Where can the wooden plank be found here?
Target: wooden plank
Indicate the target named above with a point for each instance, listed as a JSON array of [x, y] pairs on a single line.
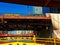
[[26, 17]]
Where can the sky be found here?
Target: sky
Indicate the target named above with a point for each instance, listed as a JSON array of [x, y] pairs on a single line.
[[17, 9]]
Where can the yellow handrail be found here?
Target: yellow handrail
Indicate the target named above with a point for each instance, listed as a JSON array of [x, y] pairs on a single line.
[[36, 39]]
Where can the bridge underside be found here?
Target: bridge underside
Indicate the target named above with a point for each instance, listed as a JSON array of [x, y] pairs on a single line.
[[44, 3]]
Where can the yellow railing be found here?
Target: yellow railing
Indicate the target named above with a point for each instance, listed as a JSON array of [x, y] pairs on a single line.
[[53, 41]]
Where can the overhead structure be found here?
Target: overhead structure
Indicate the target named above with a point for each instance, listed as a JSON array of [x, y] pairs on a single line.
[[24, 22], [44, 3]]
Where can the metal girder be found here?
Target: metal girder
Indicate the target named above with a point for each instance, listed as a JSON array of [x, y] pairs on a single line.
[[54, 4], [56, 0], [43, 3], [47, 2], [26, 2]]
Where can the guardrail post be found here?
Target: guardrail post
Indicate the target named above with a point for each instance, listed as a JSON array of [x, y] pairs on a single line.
[[34, 38], [54, 41]]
